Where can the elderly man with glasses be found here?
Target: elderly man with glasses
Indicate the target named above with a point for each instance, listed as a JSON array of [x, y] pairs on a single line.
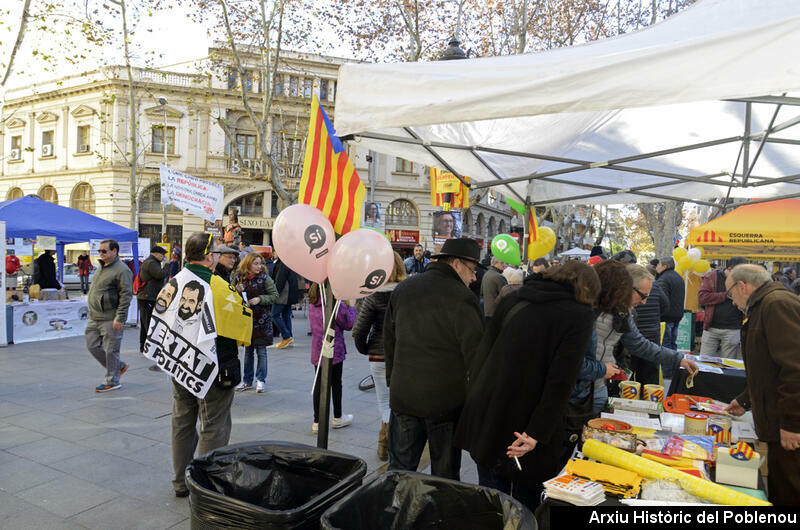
[[109, 297]]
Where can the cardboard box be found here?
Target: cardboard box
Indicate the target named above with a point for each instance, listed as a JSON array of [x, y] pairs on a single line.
[[736, 472], [20, 295]]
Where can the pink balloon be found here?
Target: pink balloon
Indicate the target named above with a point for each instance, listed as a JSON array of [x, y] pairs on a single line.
[[303, 237], [360, 263]]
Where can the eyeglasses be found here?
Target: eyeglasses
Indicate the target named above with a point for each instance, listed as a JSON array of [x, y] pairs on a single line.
[[729, 292], [641, 294], [102, 251], [472, 269]]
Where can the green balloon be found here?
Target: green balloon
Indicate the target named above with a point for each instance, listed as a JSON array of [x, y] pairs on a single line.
[[506, 249]]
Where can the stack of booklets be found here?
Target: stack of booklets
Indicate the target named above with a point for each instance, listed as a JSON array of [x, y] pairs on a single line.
[[616, 481], [574, 490]]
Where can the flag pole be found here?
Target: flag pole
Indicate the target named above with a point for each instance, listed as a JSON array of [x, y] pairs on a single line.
[[525, 230]]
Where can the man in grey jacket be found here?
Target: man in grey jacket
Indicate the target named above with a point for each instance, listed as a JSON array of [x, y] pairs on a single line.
[[109, 298], [491, 284]]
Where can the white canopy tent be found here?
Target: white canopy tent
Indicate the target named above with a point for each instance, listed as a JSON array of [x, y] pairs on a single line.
[[694, 108], [576, 253]]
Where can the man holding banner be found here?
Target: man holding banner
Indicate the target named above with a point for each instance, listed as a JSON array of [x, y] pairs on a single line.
[[193, 337]]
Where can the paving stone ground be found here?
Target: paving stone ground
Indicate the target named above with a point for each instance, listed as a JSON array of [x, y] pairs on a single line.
[[72, 458]]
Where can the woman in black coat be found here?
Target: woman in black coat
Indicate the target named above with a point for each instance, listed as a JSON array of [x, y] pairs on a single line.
[[520, 384]]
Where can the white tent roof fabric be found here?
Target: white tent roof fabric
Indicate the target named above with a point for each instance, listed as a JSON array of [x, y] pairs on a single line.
[[588, 123]]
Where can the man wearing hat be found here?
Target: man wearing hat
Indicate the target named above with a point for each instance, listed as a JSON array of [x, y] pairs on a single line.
[[227, 261], [152, 273], [431, 332]]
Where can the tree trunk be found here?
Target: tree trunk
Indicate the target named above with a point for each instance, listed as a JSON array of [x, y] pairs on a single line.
[[663, 220]]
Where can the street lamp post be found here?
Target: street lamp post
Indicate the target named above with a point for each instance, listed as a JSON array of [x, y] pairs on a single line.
[[163, 103]]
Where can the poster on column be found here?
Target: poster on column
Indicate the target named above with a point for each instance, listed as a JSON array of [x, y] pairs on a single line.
[[182, 333], [49, 320], [191, 194]]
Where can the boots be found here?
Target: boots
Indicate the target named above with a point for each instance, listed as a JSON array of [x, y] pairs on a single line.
[[383, 442]]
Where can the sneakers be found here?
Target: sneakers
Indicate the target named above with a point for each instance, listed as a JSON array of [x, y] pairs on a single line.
[[285, 343], [344, 421], [124, 368], [106, 388], [241, 387], [260, 387], [315, 428]]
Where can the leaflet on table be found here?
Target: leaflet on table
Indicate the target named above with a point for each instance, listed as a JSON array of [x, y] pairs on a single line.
[[635, 421]]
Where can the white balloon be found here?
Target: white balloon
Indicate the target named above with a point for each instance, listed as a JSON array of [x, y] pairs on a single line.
[[694, 254]]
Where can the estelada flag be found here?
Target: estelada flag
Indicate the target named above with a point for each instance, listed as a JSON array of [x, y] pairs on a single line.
[[330, 182], [445, 182]]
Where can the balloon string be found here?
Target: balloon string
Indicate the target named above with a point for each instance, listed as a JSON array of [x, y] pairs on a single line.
[[324, 336]]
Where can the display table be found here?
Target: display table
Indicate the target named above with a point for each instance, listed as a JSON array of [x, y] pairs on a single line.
[[36, 321], [722, 387]]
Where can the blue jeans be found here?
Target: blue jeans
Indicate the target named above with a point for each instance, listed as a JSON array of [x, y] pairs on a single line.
[[282, 317], [670, 335], [407, 437], [261, 368], [530, 497], [84, 284]]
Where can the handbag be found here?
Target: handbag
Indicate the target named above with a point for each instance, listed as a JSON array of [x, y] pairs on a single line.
[[578, 413]]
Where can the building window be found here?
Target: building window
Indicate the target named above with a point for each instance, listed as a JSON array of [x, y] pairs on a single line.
[[293, 86], [479, 225], [402, 212], [16, 148], [307, 85], [246, 144], [150, 201], [490, 232], [502, 227], [467, 216], [404, 166], [83, 139], [278, 89], [158, 139], [252, 204], [48, 193], [323, 90], [83, 198], [153, 232], [15, 193], [232, 79], [47, 143], [334, 90]]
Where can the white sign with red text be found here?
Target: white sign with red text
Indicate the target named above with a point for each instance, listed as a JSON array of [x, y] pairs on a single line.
[[191, 194]]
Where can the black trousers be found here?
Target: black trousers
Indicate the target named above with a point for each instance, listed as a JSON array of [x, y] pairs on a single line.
[[407, 437], [336, 391], [783, 475], [145, 312]]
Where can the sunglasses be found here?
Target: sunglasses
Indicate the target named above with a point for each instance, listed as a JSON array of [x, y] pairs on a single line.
[[641, 294], [101, 251]]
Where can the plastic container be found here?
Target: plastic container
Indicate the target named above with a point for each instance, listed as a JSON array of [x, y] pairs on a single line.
[[400, 500], [268, 485]]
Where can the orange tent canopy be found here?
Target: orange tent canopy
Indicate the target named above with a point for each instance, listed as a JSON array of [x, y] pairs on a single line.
[[766, 230]]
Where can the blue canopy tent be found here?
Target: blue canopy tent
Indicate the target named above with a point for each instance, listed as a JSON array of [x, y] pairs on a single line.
[[30, 217]]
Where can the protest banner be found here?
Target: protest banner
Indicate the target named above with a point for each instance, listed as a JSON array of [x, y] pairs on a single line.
[[191, 194], [182, 333]]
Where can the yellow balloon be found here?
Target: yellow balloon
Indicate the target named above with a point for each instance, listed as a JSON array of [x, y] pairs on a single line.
[[678, 253], [701, 266], [543, 245], [685, 263], [678, 270]]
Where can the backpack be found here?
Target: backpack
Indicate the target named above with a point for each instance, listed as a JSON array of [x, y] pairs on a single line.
[[138, 283]]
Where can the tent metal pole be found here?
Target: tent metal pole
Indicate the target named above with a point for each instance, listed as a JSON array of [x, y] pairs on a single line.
[[441, 160], [749, 168], [776, 180], [744, 150], [778, 128], [774, 100], [491, 170]]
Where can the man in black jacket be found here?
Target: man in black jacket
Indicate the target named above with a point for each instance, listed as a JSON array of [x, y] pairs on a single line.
[[431, 332], [288, 294], [675, 290], [153, 273]]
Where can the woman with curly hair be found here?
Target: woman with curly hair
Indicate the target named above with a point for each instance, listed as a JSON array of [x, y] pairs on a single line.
[[251, 279]]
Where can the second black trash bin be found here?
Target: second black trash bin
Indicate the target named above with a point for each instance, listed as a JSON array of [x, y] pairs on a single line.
[[268, 485], [399, 500]]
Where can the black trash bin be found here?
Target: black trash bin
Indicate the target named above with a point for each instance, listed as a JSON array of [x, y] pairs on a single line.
[[268, 485], [400, 500]]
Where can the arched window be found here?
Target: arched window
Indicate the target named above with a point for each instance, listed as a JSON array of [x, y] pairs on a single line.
[[402, 212], [252, 204], [479, 225], [491, 231], [15, 193], [502, 228], [467, 221], [83, 198], [150, 200], [48, 193]]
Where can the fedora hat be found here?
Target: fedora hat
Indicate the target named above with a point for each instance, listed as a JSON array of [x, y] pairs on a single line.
[[462, 248]]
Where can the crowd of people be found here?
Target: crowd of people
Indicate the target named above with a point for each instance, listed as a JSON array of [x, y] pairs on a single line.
[[508, 372]]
